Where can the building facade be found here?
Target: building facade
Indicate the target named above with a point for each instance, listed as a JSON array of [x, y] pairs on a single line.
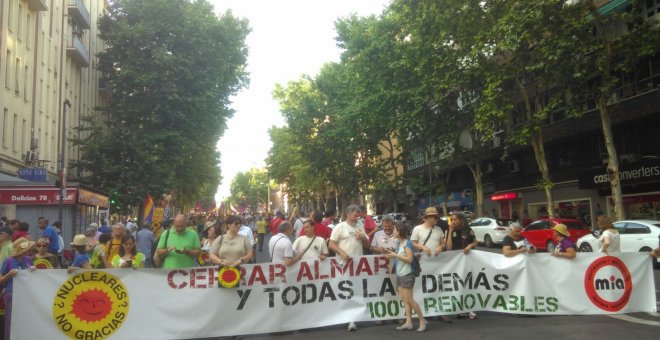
[[48, 58]]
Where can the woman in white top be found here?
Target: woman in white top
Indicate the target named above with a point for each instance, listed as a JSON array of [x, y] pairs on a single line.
[[609, 237]]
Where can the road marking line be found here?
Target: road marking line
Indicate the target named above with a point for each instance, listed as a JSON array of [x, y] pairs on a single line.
[[633, 319]]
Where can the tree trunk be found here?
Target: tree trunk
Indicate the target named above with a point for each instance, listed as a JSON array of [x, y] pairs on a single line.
[[479, 188], [536, 139], [613, 163]]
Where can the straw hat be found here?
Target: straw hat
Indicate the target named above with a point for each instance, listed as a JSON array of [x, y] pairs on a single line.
[[431, 211], [79, 240], [561, 228], [21, 246], [208, 225]]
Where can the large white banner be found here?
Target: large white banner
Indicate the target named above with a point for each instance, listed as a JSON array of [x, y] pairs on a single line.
[[187, 303]]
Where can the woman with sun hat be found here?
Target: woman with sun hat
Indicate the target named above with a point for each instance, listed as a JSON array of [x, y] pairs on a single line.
[[17, 261], [82, 258]]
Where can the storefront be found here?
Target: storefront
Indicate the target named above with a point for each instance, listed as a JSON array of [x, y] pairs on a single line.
[[509, 205], [80, 206], [639, 182], [456, 201]]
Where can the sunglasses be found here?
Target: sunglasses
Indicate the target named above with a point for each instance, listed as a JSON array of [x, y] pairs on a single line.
[[236, 223], [41, 246]]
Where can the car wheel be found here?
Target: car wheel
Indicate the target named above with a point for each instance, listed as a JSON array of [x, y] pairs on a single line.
[[550, 247], [488, 241], [585, 248]]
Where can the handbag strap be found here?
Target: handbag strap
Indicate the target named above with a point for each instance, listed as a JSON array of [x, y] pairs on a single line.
[[428, 237], [275, 244], [310, 244]]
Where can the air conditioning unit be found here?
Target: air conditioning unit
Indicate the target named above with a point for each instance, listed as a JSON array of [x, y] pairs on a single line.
[[628, 158], [30, 156], [514, 166], [34, 143]]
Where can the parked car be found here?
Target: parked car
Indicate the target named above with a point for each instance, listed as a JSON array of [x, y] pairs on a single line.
[[378, 219], [401, 217], [539, 233], [635, 235], [490, 231]]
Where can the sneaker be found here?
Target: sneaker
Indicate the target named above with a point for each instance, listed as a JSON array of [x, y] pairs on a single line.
[[472, 315], [352, 327]]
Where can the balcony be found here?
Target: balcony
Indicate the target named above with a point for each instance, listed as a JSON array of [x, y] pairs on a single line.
[[77, 52], [105, 89], [37, 5], [80, 14]]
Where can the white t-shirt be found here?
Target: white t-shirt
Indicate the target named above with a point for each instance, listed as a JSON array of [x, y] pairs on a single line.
[[614, 241], [280, 248], [297, 226], [421, 232], [344, 235], [383, 240], [247, 232], [317, 247]]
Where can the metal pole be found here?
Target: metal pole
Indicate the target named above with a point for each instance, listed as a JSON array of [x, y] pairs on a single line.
[[62, 174]]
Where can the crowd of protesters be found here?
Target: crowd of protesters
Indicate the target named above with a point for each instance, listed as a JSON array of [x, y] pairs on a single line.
[[234, 240]]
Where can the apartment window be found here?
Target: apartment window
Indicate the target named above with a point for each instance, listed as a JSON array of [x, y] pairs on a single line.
[[652, 8], [14, 135], [417, 158], [8, 69], [10, 16], [19, 30], [5, 123], [23, 134], [28, 25], [17, 69], [26, 83]]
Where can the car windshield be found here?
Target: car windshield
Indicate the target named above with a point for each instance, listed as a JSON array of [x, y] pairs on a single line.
[[657, 225], [575, 226]]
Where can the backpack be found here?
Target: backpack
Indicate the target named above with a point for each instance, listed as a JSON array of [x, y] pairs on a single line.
[[414, 265]]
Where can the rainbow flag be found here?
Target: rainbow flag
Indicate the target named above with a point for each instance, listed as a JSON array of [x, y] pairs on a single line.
[[148, 209]]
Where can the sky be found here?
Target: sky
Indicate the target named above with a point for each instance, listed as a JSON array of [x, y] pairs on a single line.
[[289, 38]]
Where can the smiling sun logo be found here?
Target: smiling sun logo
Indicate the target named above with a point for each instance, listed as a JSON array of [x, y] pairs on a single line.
[[90, 305]]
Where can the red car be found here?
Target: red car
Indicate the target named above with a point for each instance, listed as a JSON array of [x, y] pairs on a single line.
[[539, 233]]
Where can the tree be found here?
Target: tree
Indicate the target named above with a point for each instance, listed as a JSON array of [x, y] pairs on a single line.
[[173, 66], [614, 47], [250, 189]]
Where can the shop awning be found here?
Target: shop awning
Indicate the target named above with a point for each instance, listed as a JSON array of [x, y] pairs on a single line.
[[614, 6]]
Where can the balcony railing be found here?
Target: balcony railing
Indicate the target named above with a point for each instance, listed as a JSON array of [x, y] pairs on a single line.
[[37, 5], [78, 52], [80, 13]]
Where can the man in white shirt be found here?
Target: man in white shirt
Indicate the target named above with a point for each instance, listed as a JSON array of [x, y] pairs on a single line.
[[247, 232], [384, 239], [428, 237], [280, 247], [348, 240], [309, 246]]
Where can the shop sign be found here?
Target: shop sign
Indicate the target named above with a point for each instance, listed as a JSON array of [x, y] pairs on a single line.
[[36, 196], [33, 174], [91, 198], [504, 196], [631, 173]]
